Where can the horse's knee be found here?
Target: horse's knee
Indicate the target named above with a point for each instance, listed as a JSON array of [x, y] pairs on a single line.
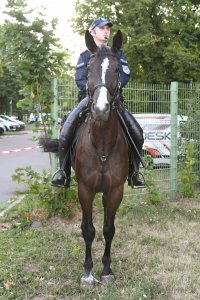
[[88, 232], [108, 232]]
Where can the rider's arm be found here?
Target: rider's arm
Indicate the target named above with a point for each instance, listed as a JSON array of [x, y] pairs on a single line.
[[124, 70], [81, 71]]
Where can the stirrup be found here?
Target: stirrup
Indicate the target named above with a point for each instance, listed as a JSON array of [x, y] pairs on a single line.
[[136, 174], [63, 174]]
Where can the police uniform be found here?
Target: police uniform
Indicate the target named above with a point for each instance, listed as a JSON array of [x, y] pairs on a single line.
[[81, 70]]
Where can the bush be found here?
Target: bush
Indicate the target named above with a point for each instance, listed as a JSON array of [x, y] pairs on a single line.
[[186, 175], [55, 200], [153, 195]]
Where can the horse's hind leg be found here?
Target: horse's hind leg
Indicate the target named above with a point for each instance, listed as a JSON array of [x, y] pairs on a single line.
[[111, 203], [88, 232]]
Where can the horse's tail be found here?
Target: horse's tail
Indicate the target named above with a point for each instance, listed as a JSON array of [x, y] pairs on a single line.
[[49, 145]]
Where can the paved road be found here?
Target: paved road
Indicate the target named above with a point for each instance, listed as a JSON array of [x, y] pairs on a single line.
[[35, 158]]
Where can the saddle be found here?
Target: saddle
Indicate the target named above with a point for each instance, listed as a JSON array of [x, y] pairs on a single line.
[[75, 139]]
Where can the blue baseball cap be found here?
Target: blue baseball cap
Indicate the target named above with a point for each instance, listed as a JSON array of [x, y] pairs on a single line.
[[100, 22]]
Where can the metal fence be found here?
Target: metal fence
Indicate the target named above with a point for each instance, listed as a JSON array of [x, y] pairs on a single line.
[[173, 109]]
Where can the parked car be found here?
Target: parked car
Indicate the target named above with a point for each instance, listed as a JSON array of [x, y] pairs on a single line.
[[2, 128], [10, 126], [5, 117]]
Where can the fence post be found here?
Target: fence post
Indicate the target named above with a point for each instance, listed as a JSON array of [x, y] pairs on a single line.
[[54, 114], [173, 156]]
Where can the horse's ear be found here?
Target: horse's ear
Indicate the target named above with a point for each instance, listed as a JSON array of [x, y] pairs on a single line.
[[89, 41], [117, 41]]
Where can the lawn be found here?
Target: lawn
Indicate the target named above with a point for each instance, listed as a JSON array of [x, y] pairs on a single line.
[[155, 254]]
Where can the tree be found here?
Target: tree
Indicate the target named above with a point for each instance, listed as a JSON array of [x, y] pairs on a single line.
[[9, 84], [161, 37], [32, 53]]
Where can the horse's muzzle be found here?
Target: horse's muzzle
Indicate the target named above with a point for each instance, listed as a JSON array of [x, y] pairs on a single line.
[[100, 114]]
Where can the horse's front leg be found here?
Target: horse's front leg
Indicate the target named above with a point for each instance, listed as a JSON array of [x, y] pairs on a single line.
[[88, 232], [111, 203]]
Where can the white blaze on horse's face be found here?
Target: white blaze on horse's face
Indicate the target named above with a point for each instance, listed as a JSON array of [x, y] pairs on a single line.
[[104, 65], [102, 99]]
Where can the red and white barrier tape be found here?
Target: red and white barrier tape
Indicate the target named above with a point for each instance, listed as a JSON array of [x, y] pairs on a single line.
[[18, 150]]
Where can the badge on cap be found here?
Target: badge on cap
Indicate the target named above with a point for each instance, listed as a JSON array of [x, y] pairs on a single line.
[[126, 69]]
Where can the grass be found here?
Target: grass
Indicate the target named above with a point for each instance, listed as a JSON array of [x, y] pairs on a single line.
[[155, 254]]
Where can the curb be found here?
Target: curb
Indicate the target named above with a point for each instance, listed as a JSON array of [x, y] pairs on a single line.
[[2, 213]]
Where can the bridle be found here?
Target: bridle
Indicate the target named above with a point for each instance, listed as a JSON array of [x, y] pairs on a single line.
[[114, 95], [115, 104]]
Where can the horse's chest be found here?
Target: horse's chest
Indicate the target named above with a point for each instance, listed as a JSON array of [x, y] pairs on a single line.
[[98, 169], [100, 174]]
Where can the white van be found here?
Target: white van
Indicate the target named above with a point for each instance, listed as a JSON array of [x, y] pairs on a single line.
[[157, 135]]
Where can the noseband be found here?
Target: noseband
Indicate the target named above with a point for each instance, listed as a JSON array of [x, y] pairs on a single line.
[[114, 96]]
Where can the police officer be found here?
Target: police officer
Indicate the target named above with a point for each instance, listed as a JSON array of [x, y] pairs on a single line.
[[100, 30]]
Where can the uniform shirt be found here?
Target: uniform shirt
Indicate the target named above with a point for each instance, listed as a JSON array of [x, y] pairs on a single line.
[[81, 70]]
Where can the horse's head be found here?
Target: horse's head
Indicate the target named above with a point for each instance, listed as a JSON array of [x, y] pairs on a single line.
[[103, 76]]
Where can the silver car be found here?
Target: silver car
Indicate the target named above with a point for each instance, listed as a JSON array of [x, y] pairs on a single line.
[[7, 118], [10, 126]]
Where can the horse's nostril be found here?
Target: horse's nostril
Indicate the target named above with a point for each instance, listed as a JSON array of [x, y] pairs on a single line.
[[107, 107]]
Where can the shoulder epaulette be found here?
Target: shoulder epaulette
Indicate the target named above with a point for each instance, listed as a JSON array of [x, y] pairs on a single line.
[[84, 52]]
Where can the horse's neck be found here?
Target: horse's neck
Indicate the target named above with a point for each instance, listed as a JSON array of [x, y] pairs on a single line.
[[104, 136]]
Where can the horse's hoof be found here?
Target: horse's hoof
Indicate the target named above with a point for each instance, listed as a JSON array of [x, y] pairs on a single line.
[[87, 282], [106, 279]]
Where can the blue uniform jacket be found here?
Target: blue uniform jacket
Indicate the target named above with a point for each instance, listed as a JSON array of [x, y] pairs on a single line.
[[81, 70]]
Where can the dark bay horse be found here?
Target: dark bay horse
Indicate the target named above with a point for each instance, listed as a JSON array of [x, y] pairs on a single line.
[[101, 161]]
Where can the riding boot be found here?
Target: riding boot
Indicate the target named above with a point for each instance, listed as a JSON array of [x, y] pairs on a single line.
[[66, 136], [136, 133], [133, 175], [62, 177]]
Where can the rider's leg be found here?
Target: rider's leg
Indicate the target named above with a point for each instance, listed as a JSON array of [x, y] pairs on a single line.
[[63, 176], [66, 136], [136, 134]]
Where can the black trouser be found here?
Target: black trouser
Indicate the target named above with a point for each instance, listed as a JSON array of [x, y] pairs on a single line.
[[67, 133], [136, 133]]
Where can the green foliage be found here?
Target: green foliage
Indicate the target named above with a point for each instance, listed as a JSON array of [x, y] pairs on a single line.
[[186, 173], [56, 201], [161, 37], [31, 54], [153, 196], [9, 85], [189, 143]]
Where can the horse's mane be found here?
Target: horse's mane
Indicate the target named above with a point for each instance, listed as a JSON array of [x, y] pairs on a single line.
[[104, 51]]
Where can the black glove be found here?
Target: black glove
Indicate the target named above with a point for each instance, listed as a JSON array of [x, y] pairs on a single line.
[[81, 95], [122, 98]]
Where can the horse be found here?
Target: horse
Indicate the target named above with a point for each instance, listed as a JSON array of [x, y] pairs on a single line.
[[101, 159]]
